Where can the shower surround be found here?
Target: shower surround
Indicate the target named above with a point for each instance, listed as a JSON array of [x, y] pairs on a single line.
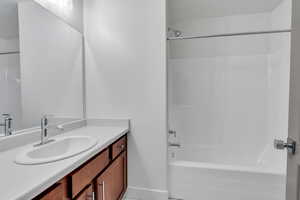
[[228, 101]]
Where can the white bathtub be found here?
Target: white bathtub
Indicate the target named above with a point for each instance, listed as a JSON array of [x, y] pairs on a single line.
[[209, 181]]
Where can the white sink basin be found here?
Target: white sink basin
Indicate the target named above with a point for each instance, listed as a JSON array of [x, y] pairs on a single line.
[[59, 149]]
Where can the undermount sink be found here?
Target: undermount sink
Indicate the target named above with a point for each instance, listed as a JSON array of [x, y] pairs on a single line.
[[58, 149]]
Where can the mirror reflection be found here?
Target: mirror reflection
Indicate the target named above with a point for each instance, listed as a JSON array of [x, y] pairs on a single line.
[[41, 67]]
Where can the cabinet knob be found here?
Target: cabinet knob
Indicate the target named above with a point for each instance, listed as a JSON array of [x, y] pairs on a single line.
[[122, 147]]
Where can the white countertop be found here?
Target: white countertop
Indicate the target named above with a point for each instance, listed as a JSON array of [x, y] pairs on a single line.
[[23, 182]]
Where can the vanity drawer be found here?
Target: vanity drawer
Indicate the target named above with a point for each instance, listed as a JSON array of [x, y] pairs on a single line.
[[84, 176], [118, 147]]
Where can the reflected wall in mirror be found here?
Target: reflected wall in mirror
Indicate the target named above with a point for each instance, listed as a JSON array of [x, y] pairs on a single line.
[[41, 66]]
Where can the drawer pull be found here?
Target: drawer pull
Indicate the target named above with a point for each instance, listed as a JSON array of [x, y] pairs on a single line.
[[103, 189], [85, 175], [90, 196], [122, 147]]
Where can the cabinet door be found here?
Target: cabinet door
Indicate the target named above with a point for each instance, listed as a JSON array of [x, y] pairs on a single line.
[[56, 192], [110, 185], [86, 174], [87, 194]]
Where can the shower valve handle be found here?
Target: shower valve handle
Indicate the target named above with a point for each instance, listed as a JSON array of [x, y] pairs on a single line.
[[290, 145], [173, 132]]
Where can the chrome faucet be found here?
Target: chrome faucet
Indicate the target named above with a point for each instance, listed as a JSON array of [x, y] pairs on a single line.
[[7, 124], [45, 128]]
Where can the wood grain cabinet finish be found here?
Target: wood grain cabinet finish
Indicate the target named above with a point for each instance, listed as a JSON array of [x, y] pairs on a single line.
[[56, 192], [118, 147], [103, 177], [111, 184], [87, 194], [85, 175]]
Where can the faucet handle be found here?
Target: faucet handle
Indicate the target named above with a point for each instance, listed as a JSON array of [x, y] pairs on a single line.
[[172, 132], [6, 115], [45, 119]]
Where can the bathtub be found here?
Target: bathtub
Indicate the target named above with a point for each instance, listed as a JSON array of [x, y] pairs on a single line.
[[214, 181]]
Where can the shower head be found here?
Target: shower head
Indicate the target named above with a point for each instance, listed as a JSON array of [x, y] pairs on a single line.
[[175, 32]]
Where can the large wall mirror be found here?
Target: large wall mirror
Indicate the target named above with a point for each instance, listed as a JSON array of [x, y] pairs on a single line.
[[41, 67]]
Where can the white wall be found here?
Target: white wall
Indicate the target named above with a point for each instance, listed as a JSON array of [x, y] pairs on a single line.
[[270, 15], [224, 24], [10, 101], [281, 16], [228, 94], [9, 26], [126, 78], [279, 70], [9, 42], [219, 97], [9, 45], [71, 11], [51, 65], [213, 8]]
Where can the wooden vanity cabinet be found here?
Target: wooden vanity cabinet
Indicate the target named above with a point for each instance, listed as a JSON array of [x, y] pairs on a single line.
[[104, 177], [87, 194], [85, 175], [111, 184], [118, 147], [56, 192]]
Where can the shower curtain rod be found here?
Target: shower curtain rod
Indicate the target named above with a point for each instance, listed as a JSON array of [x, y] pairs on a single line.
[[230, 34], [7, 53]]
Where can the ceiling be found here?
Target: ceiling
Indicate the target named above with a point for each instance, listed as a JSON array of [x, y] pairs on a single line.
[[185, 9]]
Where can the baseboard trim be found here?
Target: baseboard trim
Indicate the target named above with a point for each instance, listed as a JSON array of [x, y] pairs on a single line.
[[139, 193]]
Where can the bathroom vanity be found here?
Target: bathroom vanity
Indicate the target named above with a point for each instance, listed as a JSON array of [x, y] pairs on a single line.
[[97, 173], [102, 177]]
